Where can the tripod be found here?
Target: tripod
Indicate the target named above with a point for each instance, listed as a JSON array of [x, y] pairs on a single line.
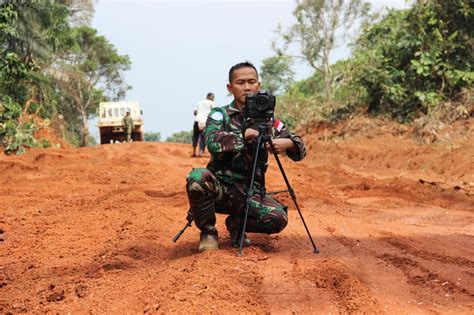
[[259, 164]]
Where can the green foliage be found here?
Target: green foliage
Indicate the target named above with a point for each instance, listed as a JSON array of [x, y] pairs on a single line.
[[29, 31], [310, 87], [293, 108], [320, 27], [44, 143], [91, 141], [181, 137], [412, 60], [89, 70], [304, 100], [14, 75], [73, 137], [54, 67], [407, 64], [15, 135], [9, 110], [152, 136], [276, 73], [29, 35]]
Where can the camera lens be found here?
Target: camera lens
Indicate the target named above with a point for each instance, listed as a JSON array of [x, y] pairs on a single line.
[[261, 102]]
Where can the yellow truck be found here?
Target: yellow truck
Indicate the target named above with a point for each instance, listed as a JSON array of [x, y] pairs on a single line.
[[110, 123]]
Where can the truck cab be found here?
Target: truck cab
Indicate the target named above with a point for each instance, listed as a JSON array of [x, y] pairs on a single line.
[[110, 123]]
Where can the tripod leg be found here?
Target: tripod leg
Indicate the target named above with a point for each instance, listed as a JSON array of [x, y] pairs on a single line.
[[249, 194], [293, 196]]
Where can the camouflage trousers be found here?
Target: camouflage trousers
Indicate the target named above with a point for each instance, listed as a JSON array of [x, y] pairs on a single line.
[[128, 133], [208, 195]]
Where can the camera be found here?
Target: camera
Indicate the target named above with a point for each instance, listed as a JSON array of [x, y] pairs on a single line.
[[259, 105]]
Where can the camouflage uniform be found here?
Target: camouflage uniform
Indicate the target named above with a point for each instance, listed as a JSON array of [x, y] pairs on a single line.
[[221, 186], [128, 124]]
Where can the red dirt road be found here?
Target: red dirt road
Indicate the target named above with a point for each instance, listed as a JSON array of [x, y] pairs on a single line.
[[89, 231]]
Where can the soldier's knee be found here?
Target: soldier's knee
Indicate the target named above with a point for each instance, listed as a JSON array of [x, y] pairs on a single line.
[[196, 183], [275, 221], [197, 175], [279, 223]]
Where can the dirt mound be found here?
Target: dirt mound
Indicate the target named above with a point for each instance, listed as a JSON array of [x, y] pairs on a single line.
[[390, 150], [89, 230], [51, 132]]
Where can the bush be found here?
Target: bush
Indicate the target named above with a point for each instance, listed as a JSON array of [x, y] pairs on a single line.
[[16, 133], [181, 137], [413, 60], [152, 136]]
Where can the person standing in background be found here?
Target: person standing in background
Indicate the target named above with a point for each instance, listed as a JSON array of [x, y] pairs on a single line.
[[128, 125], [196, 135], [202, 110]]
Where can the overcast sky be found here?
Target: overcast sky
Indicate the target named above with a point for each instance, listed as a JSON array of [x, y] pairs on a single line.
[[180, 50]]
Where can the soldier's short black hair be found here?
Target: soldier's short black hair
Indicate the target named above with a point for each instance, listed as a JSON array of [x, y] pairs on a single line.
[[245, 64], [209, 95]]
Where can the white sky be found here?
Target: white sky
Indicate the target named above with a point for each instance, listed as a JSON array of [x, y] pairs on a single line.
[[180, 50]]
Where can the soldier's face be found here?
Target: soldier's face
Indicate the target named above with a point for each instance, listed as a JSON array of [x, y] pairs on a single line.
[[244, 81]]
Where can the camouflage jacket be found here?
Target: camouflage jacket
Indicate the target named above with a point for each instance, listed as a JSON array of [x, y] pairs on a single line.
[[231, 159], [128, 122]]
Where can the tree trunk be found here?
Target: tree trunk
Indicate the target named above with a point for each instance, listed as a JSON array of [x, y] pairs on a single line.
[[327, 77], [85, 129]]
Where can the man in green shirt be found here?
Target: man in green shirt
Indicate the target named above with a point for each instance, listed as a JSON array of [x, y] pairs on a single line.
[[128, 125]]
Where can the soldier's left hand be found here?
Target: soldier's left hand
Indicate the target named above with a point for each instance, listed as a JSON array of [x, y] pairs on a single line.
[[250, 134], [281, 145]]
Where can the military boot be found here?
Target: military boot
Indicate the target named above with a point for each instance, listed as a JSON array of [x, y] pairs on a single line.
[[205, 219], [233, 226], [208, 240]]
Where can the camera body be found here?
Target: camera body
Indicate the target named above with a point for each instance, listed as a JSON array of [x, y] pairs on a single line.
[[260, 106]]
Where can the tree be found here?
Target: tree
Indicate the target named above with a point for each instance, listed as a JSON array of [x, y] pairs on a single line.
[[412, 60], [181, 137], [81, 12], [319, 25], [152, 136], [90, 71], [29, 33], [48, 67], [276, 73]]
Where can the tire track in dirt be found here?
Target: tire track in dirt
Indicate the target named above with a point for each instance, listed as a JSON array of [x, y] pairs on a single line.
[[419, 277], [345, 289], [401, 243], [433, 292], [313, 283]]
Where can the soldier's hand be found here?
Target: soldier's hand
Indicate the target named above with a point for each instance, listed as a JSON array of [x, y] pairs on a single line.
[[281, 145], [250, 134]]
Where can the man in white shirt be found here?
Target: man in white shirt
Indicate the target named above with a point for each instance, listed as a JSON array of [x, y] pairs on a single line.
[[202, 110]]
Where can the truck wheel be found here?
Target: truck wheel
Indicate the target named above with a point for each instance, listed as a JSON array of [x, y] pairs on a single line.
[[104, 139]]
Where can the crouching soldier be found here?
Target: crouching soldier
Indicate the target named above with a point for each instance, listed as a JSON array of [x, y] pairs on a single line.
[[220, 187]]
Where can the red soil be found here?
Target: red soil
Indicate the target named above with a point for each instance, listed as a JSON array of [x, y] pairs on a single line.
[[89, 231]]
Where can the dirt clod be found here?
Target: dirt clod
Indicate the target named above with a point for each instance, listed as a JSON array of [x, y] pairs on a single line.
[[56, 296]]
